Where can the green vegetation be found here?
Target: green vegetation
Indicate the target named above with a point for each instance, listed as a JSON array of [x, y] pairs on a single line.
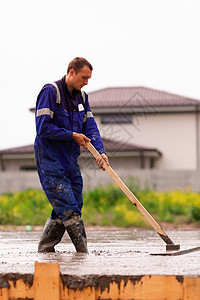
[[109, 206], [106, 206], [21, 208]]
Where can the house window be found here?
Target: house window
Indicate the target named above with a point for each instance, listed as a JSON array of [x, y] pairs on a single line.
[[152, 163], [116, 119], [28, 168]]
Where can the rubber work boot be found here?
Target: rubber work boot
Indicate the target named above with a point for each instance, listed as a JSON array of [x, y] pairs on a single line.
[[78, 237], [52, 234]]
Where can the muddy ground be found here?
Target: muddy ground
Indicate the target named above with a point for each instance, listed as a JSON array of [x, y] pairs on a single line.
[[118, 252]]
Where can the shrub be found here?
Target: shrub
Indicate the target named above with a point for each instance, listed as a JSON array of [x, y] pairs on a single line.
[[105, 206]]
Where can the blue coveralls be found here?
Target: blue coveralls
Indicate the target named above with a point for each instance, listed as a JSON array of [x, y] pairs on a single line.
[[56, 152]]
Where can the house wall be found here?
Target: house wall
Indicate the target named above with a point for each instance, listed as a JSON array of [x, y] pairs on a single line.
[[174, 134], [16, 164], [117, 163], [128, 163]]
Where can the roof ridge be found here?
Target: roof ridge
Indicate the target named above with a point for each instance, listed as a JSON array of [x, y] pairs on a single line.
[[143, 87], [118, 97]]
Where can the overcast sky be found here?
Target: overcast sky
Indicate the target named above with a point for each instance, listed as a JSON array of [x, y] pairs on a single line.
[[152, 43]]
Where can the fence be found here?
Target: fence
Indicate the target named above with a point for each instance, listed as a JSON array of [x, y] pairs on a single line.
[[161, 180]]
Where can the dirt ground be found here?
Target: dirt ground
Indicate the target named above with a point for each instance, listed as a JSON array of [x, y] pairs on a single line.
[[164, 225]]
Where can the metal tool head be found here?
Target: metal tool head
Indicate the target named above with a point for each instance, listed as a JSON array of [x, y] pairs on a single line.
[[172, 247]]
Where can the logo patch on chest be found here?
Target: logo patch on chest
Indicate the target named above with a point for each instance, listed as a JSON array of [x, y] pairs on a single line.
[[80, 107]]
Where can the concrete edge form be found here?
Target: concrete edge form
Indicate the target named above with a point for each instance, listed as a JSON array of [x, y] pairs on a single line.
[[48, 284]]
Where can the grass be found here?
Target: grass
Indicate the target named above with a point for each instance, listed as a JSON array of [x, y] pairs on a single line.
[[105, 206]]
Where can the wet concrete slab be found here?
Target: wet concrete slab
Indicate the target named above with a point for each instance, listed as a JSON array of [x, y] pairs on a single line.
[[111, 252]]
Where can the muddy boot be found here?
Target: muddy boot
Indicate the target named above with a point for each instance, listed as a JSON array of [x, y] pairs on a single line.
[[78, 237], [52, 234]]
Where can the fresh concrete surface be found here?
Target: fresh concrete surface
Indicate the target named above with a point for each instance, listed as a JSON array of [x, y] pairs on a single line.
[[111, 252]]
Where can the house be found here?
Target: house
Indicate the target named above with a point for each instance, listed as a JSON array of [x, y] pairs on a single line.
[[17, 159], [151, 133], [18, 170], [154, 119], [121, 155]]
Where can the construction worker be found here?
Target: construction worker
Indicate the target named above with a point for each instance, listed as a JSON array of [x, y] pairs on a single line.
[[64, 122]]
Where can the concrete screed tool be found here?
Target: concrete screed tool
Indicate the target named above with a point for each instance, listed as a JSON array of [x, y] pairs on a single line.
[[170, 245]]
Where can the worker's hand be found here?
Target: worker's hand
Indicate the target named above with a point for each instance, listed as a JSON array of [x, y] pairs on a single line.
[[81, 139], [100, 161]]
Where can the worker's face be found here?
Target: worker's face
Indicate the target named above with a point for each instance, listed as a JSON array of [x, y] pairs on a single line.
[[79, 80]]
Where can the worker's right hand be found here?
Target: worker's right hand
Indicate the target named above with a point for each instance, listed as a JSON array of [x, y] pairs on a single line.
[[81, 139]]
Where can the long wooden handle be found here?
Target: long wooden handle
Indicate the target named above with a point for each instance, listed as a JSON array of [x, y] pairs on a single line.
[[130, 195]]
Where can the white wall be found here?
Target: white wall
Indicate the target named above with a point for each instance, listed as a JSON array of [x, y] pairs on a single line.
[[117, 163], [173, 134], [16, 164]]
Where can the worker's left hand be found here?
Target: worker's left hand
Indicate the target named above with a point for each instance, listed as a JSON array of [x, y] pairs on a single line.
[[100, 161]]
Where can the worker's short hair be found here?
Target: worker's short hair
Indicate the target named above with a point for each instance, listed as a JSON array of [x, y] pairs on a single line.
[[78, 63]]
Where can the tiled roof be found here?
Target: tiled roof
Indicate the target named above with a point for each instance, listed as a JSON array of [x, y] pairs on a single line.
[[18, 150], [118, 97], [109, 145], [137, 97], [116, 146]]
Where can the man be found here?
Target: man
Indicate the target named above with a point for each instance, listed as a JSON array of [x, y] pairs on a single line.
[[64, 122]]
